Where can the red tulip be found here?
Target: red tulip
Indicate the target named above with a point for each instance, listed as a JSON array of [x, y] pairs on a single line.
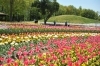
[[99, 52], [9, 60], [81, 60], [48, 59], [63, 61], [55, 58], [69, 59], [77, 63], [70, 63], [1, 58], [20, 57], [51, 64], [15, 63], [40, 55]]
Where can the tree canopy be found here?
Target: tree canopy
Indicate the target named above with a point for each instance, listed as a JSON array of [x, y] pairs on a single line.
[[41, 9], [46, 7]]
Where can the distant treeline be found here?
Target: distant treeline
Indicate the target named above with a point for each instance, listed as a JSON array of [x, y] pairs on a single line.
[[71, 10], [23, 10]]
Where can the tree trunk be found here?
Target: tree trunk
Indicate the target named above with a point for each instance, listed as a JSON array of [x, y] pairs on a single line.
[[45, 22], [11, 10], [46, 18], [2, 9]]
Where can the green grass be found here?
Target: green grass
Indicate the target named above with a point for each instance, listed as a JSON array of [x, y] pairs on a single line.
[[72, 19]]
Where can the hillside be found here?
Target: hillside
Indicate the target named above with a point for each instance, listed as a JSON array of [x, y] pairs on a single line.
[[72, 19]]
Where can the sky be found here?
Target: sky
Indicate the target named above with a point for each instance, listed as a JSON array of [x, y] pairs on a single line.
[[88, 4]]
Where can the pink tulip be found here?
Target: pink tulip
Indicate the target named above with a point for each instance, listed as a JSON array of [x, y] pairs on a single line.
[[37, 49], [19, 52], [31, 52], [25, 53], [31, 45], [60, 51], [1, 58], [32, 61], [26, 62], [9, 53], [23, 48], [50, 49]]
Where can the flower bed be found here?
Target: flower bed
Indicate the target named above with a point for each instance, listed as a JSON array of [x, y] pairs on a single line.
[[24, 28], [52, 49]]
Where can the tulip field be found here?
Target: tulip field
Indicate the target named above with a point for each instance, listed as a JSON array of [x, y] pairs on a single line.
[[40, 45]]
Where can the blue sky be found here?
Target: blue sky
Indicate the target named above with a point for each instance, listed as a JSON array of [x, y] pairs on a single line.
[[88, 4]]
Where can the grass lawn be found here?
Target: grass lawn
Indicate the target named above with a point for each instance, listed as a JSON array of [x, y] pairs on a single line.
[[72, 19]]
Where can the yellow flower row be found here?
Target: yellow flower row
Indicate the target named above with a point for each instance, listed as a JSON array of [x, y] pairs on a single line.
[[26, 37]]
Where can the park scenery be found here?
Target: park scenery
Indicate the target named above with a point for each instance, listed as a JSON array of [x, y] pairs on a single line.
[[46, 33]]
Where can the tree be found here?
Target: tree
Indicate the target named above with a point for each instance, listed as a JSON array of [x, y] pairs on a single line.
[[62, 10], [46, 7], [19, 10], [71, 10], [88, 13], [34, 13], [99, 17], [19, 7], [80, 10]]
